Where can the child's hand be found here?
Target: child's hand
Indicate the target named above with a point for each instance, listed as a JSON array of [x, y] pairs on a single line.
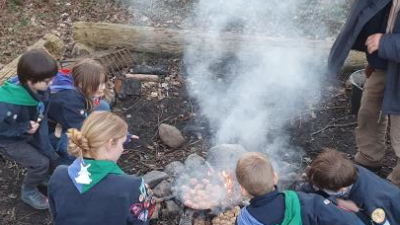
[[347, 204], [34, 126], [134, 137]]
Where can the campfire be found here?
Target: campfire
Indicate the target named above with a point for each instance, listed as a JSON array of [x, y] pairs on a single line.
[[211, 190]]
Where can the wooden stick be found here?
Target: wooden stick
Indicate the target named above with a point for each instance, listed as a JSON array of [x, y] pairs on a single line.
[[143, 77]]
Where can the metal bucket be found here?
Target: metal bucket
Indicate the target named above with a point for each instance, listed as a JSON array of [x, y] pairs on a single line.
[[357, 80]]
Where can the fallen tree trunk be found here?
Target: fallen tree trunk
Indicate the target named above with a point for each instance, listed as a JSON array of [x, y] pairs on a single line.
[[174, 41], [50, 43]]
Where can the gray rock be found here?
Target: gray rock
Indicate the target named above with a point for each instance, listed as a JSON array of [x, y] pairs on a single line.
[[172, 207], [163, 189], [174, 169], [153, 178], [170, 135], [194, 161], [225, 155]]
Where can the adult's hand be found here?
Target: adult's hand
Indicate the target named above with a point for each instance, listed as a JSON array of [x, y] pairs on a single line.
[[372, 42]]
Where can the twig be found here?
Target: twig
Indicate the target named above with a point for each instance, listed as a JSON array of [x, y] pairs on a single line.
[[3, 4], [334, 125]]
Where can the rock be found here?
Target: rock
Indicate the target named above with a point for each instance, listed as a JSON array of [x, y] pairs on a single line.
[[163, 189], [225, 156], [174, 169], [193, 161], [81, 50], [170, 135], [172, 207], [154, 177]]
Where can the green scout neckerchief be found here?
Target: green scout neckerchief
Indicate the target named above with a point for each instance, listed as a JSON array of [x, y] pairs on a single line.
[[16, 95], [86, 173]]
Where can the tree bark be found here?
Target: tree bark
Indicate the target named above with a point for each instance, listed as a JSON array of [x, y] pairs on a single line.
[[174, 41]]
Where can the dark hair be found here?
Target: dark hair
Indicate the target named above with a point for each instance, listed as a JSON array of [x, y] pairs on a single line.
[[36, 65], [332, 171]]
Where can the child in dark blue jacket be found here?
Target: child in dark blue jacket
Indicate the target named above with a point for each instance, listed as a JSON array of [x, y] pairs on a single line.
[[353, 187], [267, 206], [75, 94], [93, 189], [23, 122]]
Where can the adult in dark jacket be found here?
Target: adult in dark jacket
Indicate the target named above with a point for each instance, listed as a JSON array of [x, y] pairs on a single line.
[[93, 189], [23, 122], [353, 187], [374, 27], [268, 206]]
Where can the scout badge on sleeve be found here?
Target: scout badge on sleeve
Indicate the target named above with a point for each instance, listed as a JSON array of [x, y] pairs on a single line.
[[378, 216]]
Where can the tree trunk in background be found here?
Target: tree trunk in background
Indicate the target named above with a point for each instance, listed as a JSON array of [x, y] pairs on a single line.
[[173, 41]]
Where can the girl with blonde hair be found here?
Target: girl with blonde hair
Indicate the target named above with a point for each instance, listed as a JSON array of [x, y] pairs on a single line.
[[93, 189]]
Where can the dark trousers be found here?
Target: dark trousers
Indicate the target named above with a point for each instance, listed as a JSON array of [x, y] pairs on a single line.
[[26, 155]]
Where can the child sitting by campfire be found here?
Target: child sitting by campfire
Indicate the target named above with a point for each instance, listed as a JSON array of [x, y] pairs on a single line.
[[23, 122], [93, 189], [258, 180], [75, 94], [354, 187]]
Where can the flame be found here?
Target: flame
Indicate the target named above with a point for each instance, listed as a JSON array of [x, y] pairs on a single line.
[[228, 183]]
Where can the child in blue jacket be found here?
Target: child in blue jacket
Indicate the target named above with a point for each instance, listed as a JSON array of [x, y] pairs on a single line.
[[353, 187], [23, 122], [258, 180], [75, 94], [93, 189]]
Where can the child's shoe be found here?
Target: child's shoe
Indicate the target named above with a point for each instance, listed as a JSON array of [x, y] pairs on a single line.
[[34, 198]]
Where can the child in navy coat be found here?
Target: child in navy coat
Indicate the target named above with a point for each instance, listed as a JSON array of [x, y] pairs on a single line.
[[93, 189], [258, 180], [23, 122], [354, 187]]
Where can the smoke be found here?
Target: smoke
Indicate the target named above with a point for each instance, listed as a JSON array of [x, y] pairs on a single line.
[[249, 92]]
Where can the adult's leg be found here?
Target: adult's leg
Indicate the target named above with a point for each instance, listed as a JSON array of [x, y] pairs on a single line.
[[394, 176], [372, 125]]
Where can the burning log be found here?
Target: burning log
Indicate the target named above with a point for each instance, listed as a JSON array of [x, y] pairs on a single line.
[[143, 77]]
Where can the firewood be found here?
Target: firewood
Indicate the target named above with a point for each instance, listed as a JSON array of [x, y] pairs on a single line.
[[143, 77], [49, 43]]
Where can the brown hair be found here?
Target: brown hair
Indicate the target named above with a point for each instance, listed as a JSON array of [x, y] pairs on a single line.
[[97, 129], [88, 75], [36, 65], [332, 171], [254, 173]]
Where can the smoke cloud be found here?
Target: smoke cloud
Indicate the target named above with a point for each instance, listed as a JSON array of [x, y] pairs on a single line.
[[249, 94]]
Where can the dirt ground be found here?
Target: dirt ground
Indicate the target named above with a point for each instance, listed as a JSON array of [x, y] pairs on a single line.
[[24, 22]]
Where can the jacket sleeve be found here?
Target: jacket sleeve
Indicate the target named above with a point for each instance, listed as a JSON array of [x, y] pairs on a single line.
[[41, 141], [8, 125], [328, 213], [73, 114], [143, 204], [389, 47]]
